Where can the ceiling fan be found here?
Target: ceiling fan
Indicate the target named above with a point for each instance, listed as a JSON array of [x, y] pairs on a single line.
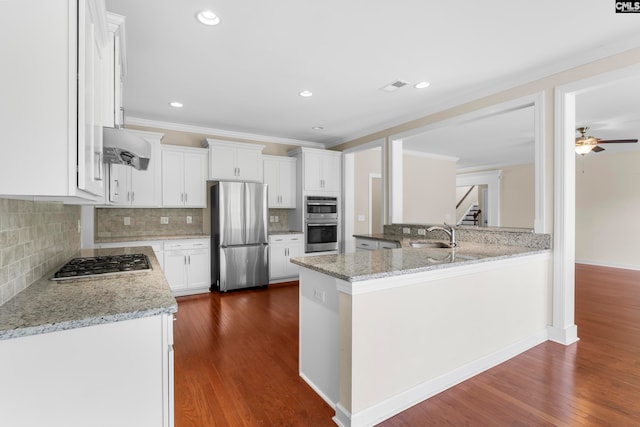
[[587, 143]]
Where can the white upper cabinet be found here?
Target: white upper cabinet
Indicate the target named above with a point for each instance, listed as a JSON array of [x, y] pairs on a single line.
[[321, 169], [53, 93], [138, 188], [280, 177], [234, 161], [184, 176], [116, 68]]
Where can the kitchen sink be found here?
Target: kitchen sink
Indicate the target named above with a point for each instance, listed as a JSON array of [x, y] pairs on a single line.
[[429, 244]]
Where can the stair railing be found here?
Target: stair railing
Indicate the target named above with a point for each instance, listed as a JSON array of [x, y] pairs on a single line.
[[465, 196]]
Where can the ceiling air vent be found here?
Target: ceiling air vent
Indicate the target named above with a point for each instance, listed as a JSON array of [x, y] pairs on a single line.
[[393, 86]]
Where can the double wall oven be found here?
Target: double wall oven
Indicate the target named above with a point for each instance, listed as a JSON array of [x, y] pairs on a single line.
[[321, 223]]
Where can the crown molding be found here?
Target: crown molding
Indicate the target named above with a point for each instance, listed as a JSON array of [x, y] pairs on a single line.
[[213, 132]]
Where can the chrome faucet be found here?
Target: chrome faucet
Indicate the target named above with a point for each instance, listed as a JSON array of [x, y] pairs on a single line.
[[451, 231]]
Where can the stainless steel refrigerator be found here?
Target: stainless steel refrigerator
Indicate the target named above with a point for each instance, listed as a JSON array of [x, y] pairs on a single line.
[[239, 245]]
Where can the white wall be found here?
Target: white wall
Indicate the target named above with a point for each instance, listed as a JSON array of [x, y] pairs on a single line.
[[517, 196], [429, 190], [607, 208]]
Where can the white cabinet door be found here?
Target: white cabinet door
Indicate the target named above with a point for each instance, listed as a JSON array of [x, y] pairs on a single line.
[[195, 180], [281, 249], [249, 165], [144, 187], [199, 263], [313, 171], [271, 175], [175, 269], [119, 184], [330, 172], [277, 256], [279, 173], [234, 161], [92, 55], [223, 163], [184, 177], [288, 184], [295, 248], [172, 178]]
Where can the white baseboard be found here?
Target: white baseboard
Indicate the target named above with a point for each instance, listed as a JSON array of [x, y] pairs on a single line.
[[608, 264], [564, 336], [318, 391], [398, 403]]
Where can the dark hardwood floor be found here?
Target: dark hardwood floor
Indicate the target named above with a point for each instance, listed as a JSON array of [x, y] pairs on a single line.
[[236, 365]]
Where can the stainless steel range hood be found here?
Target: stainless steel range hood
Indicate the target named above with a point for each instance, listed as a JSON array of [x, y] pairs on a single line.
[[125, 148]]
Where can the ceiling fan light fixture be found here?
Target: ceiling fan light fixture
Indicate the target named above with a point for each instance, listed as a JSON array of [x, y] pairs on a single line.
[[585, 145], [207, 17]]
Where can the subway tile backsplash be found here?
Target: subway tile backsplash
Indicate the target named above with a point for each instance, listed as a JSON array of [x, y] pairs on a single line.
[[110, 222], [35, 237]]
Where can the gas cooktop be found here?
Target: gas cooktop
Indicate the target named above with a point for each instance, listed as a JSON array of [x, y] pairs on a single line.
[[102, 265]]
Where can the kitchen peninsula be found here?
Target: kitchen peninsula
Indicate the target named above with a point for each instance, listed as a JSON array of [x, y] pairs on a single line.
[[383, 330]]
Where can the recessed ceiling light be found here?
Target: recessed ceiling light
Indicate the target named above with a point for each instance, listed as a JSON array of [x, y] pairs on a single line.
[[305, 93], [317, 128], [207, 17], [176, 104], [422, 85]]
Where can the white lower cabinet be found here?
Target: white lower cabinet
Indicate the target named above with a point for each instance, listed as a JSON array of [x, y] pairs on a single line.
[[187, 265], [114, 374], [283, 247]]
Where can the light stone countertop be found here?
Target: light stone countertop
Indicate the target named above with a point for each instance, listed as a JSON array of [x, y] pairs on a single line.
[[99, 240], [48, 306], [368, 265]]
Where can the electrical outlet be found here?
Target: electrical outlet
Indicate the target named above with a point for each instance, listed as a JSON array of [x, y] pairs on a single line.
[[189, 219], [164, 220], [127, 220], [276, 217], [406, 230], [422, 231], [271, 219], [319, 294]]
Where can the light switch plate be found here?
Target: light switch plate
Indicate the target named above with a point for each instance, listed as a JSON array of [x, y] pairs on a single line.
[[406, 230], [127, 220], [422, 231], [164, 220], [361, 218], [189, 219]]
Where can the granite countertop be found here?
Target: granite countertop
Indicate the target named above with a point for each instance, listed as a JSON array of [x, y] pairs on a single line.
[[48, 306], [368, 265], [149, 238]]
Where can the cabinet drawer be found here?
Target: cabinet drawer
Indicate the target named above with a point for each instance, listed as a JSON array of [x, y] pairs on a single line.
[[286, 238], [174, 245], [366, 244], [388, 245]]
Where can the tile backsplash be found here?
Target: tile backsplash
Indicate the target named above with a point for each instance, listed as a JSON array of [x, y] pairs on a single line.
[[110, 222], [35, 238], [282, 222]]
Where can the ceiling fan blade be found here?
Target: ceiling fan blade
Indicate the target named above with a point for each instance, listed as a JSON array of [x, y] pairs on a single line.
[[597, 149], [615, 141]]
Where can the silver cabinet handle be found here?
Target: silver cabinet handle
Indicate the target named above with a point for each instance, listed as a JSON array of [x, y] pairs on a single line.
[[186, 197], [98, 175], [133, 196], [128, 196], [182, 197], [117, 190]]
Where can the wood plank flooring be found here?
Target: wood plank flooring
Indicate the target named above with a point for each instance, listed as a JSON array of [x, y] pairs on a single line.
[[236, 365]]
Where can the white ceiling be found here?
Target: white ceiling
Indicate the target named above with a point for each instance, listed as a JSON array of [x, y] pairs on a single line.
[[244, 75]]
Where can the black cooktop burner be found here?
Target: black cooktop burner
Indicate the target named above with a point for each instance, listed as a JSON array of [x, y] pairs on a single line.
[[93, 266]]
